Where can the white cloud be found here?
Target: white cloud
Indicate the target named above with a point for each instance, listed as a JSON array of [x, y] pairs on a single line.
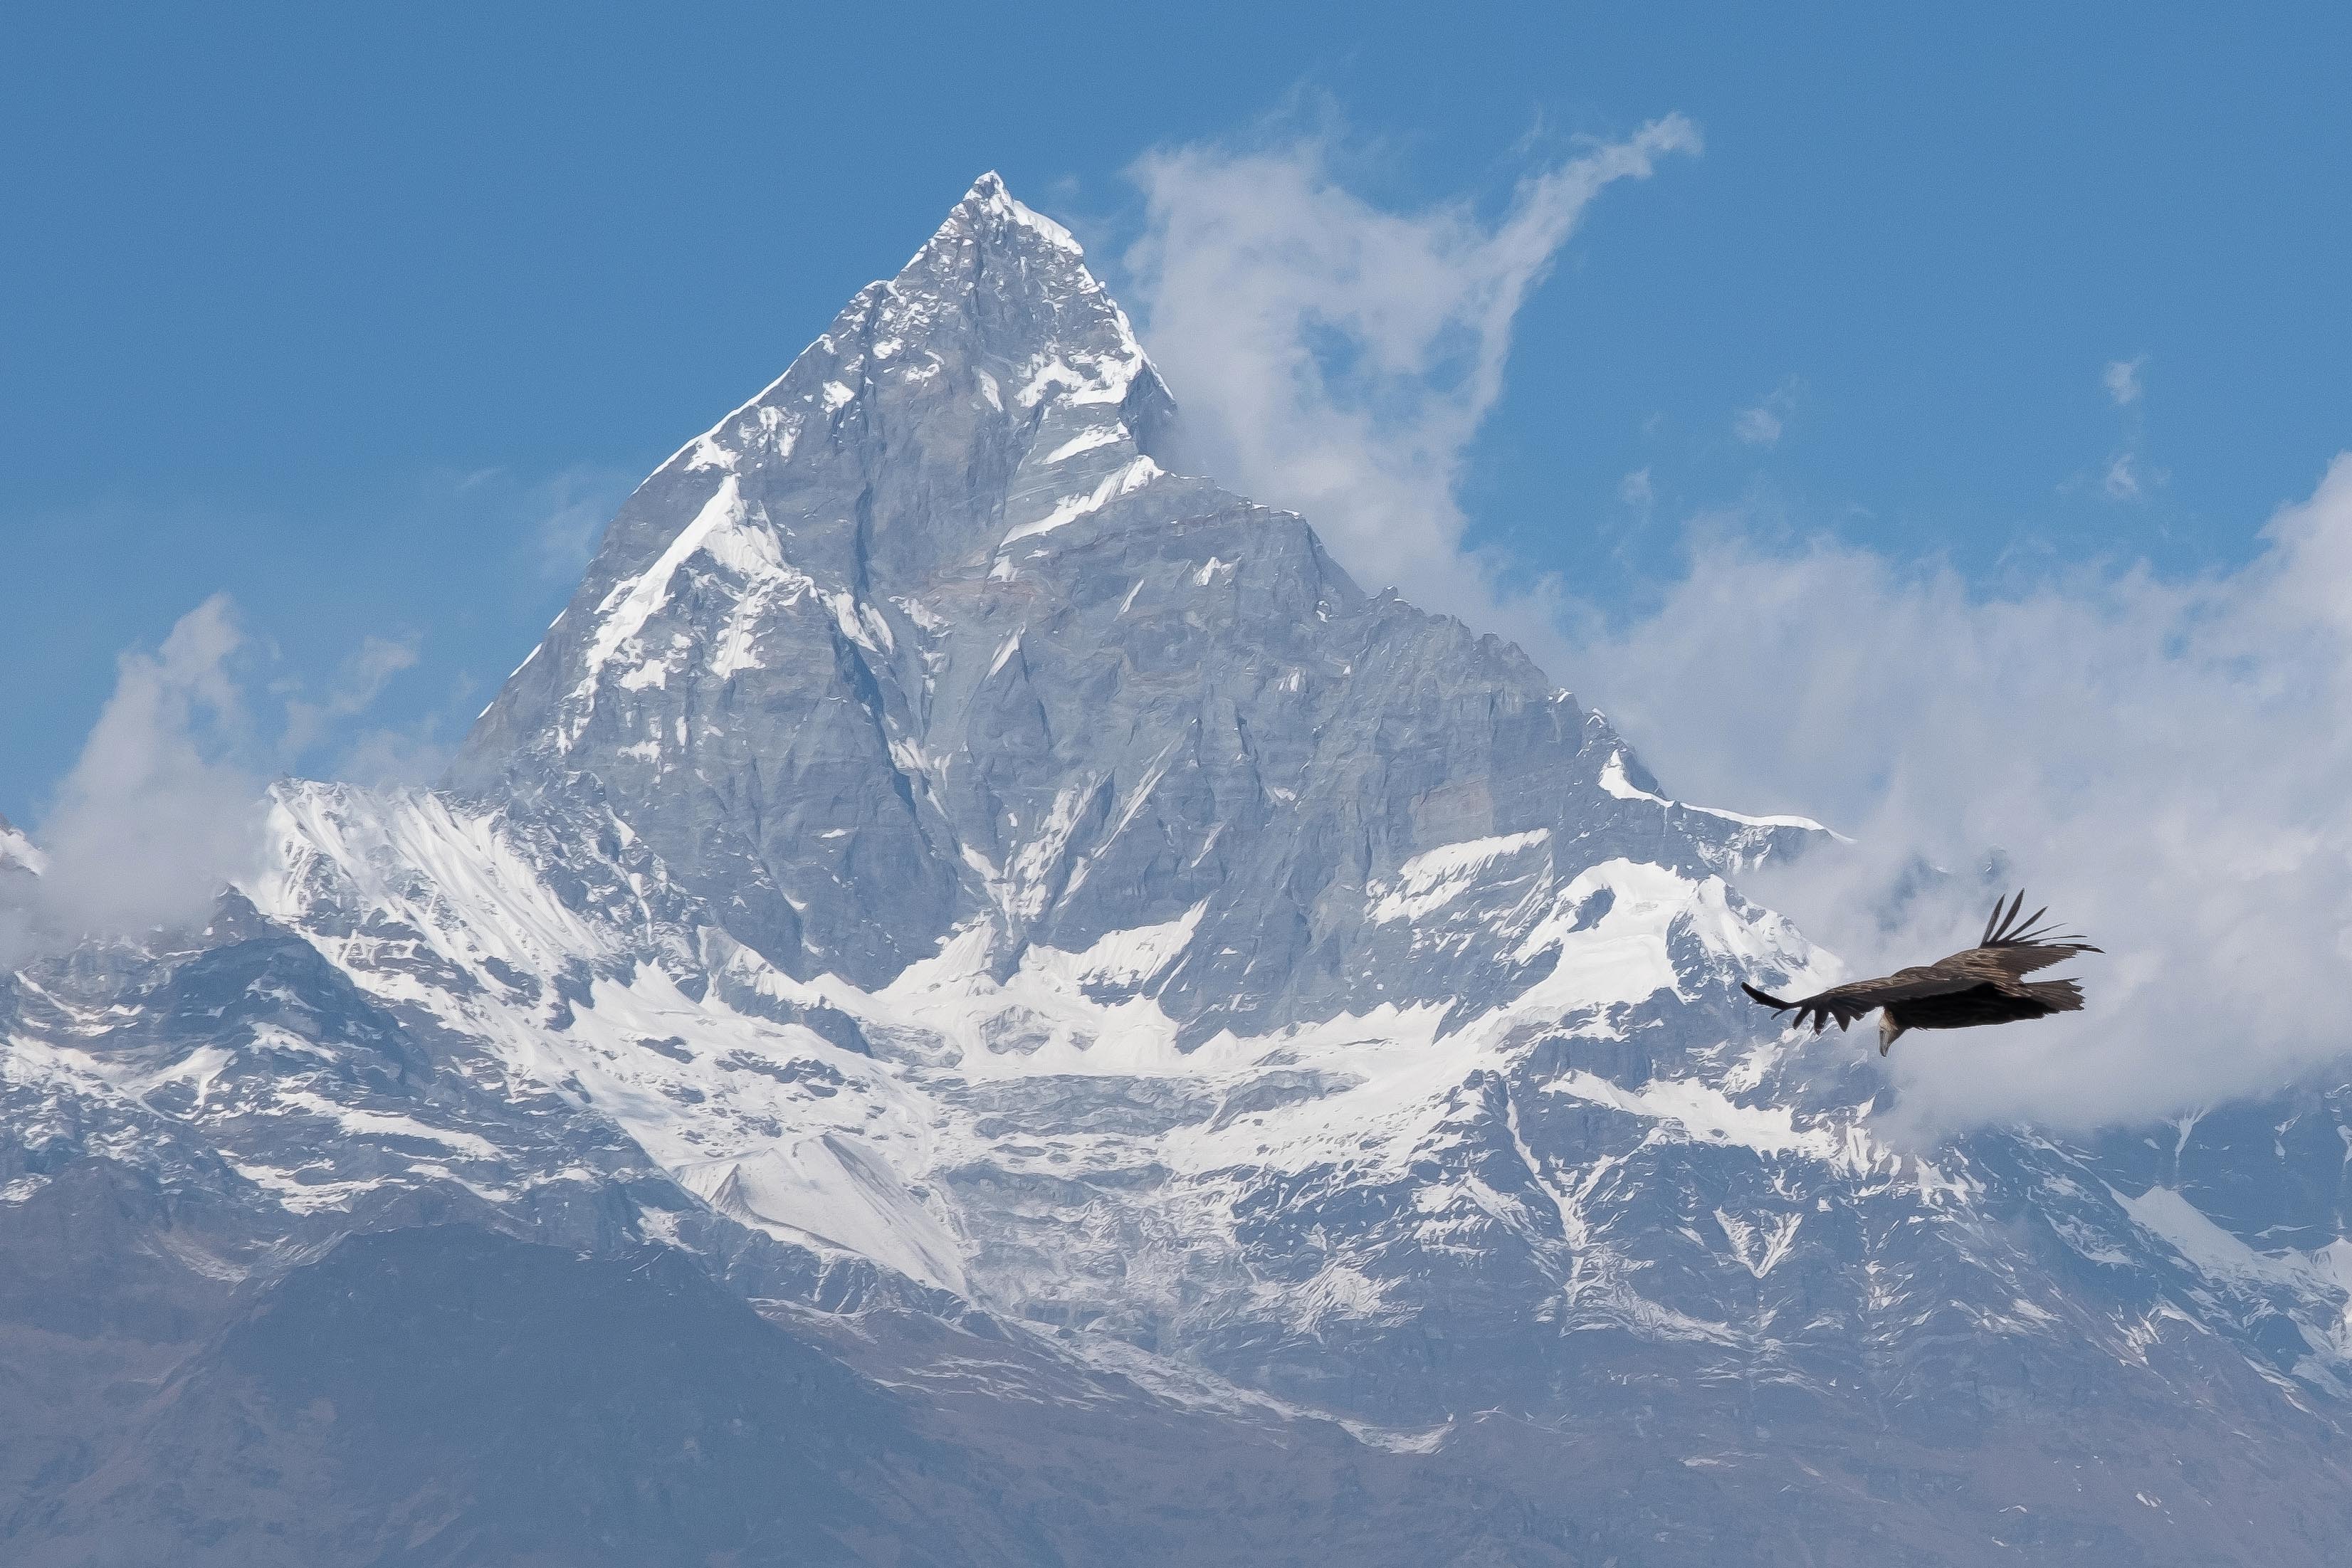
[[1757, 426], [2122, 380], [2121, 481], [1337, 358], [1763, 424], [2127, 478], [357, 685], [157, 814], [2165, 763], [1637, 492], [573, 507], [556, 519], [164, 808], [416, 753]]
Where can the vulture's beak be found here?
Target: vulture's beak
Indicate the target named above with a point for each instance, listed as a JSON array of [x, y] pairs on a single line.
[[1887, 1030]]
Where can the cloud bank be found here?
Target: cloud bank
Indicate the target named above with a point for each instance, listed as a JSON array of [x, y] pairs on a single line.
[[2167, 763], [157, 812], [164, 805]]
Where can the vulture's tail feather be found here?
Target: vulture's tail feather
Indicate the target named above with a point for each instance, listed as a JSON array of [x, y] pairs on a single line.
[[2058, 996]]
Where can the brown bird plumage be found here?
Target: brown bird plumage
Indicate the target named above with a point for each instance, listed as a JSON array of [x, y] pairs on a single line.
[[1986, 984]]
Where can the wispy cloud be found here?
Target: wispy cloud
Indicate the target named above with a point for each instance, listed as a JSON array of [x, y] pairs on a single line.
[[571, 507], [1757, 426], [1637, 491], [1762, 424], [2121, 481], [386, 755], [356, 689], [1336, 357], [2122, 380], [2127, 477], [333, 735]]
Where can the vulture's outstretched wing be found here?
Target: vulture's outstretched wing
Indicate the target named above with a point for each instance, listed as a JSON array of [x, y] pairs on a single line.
[[2011, 948], [1850, 1001]]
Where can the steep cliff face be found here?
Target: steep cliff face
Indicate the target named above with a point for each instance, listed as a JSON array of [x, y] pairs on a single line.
[[924, 636], [1023, 918]]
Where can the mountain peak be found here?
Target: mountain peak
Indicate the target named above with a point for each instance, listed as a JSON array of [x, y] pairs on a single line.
[[990, 204], [999, 290], [993, 250], [988, 394], [925, 639]]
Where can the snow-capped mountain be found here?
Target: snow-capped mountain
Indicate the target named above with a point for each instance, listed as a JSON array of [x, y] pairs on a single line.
[[964, 933]]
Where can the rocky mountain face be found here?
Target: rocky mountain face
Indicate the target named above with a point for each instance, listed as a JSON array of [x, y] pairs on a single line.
[[976, 1001]]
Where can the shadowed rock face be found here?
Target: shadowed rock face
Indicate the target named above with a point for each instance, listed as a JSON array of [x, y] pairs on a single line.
[[975, 1000]]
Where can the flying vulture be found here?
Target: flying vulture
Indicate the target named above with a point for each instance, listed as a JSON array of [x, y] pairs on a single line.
[[1986, 984]]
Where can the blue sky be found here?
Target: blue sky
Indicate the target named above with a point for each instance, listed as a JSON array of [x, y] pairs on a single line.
[[362, 317]]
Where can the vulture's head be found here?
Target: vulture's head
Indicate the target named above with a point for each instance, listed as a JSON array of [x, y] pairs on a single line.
[[1888, 1029]]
